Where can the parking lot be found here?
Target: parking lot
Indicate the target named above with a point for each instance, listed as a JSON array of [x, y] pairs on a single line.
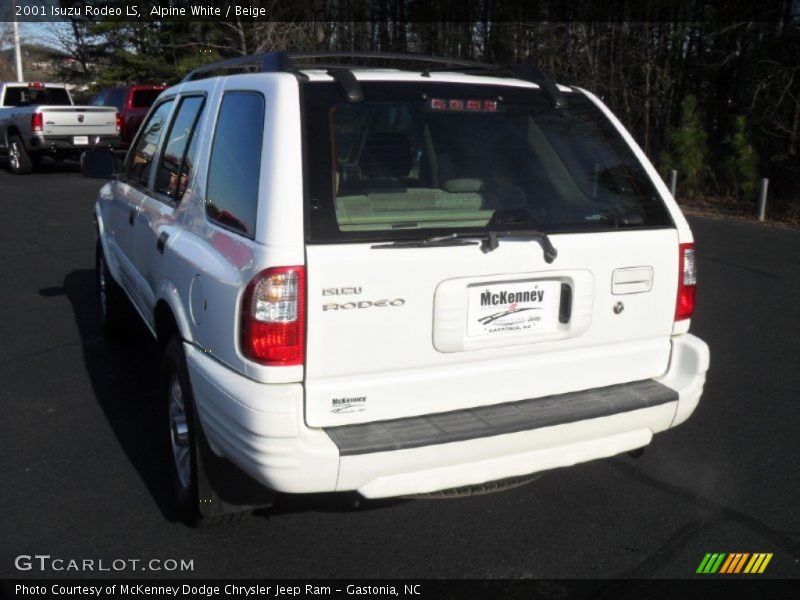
[[82, 476]]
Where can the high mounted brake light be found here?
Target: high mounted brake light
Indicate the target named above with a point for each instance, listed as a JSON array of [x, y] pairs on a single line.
[[687, 282], [37, 122], [458, 105], [273, 317], [37, 85]]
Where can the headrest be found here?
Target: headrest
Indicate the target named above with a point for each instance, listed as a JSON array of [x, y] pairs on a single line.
[[463, 184], [386, 154]]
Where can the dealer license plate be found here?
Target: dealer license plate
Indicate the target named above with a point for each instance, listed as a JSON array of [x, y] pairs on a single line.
[[515, 308]]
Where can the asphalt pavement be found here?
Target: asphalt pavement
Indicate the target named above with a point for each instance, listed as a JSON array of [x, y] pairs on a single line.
[[81, 476]]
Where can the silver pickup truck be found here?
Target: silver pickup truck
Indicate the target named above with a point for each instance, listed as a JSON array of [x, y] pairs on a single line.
[[38, 119]]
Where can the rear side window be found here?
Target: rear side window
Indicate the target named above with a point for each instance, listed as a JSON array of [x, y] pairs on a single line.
[[235, 165], [144, 98], [142, 155], [176, 164]]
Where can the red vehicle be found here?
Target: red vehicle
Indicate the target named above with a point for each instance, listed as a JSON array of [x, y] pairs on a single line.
[[132, 102]]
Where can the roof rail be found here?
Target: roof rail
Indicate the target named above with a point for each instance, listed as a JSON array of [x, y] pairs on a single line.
[[533, 74], [272, 62], [269, 62]]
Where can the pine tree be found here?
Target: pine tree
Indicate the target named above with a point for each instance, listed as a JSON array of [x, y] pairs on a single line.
[[688, 149], [741, 166]]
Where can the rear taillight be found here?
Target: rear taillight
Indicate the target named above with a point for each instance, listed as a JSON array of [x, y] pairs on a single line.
[[687, 282], [273, 319], [119, 122], [37, 122]]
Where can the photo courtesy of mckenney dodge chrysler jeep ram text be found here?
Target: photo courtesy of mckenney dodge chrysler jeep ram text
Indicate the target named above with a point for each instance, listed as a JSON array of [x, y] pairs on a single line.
[[438, 278]]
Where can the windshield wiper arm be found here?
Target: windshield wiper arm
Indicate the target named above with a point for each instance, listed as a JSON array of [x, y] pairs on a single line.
[[454, 239], [492, 241]]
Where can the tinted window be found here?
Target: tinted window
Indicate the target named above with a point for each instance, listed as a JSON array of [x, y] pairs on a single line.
[[235, 165], [451, 157], [176, 162], [145, 98], [13, 97], [116, 98], [141, 157], [99, 100], [26, 96]]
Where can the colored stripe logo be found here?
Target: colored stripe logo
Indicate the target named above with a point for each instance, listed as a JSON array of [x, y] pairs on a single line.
[[734, 563]]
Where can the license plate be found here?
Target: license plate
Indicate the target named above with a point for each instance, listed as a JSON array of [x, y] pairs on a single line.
[[510, 309], [81, 140]]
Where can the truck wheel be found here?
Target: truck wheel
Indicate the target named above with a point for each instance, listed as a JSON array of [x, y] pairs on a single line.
[[182, 437], [19, 161]]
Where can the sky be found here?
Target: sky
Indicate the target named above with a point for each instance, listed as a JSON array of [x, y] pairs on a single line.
[[33, 33]]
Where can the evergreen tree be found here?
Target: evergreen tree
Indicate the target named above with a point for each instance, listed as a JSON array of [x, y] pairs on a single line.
[[741, 166], [688, 149]]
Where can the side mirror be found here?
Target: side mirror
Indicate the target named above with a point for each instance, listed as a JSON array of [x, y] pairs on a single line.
[[100, 163]]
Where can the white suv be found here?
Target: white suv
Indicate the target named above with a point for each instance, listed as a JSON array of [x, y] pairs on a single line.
[[395, 281]]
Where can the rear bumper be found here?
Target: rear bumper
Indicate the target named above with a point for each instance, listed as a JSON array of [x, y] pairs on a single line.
[[261, 428], [66, 143]]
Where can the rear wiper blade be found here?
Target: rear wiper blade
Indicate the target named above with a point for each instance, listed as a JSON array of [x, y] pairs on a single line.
[[454, 239], [493, 238]]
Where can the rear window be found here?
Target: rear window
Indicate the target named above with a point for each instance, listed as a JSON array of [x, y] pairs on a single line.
[[27, 96], [443, 158], [145, 98]]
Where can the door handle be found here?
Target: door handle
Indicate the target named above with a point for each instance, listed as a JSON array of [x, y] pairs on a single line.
[[162, 242], [132, 216]]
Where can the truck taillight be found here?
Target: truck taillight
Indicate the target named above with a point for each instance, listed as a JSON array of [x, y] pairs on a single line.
[[273, 320], [37, 122], [687, 282], [119, 122]]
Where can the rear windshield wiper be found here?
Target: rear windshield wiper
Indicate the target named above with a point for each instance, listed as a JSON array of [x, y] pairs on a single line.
[[490, 241], [493, 238], [454, 239]]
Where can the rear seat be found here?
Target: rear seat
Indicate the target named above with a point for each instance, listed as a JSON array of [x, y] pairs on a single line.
[[412, 203]]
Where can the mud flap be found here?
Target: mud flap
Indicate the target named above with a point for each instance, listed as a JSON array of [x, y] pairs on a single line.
[[222, 487]]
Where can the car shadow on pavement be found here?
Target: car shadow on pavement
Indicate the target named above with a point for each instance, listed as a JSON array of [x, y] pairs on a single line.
[[48, 166], [124, 378]]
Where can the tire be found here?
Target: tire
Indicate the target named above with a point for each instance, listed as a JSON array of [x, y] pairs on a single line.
[[182, 438], [19, 161], [111, 301]]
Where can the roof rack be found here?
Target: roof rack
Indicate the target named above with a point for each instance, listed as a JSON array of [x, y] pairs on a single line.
[[272, 62]]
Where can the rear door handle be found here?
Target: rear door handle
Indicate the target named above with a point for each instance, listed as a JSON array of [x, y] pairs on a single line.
[[162, 242], [632, 280], [132, 216]]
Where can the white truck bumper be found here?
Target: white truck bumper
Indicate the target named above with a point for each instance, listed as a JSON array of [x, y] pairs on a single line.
[[260, 427]]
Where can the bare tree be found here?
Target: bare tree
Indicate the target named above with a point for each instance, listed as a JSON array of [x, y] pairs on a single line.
[[6, 55]]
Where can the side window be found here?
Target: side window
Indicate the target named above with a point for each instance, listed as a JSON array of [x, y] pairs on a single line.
[[99, 99], [142, 155], [116, 98], [235, 165], [177, 156]]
